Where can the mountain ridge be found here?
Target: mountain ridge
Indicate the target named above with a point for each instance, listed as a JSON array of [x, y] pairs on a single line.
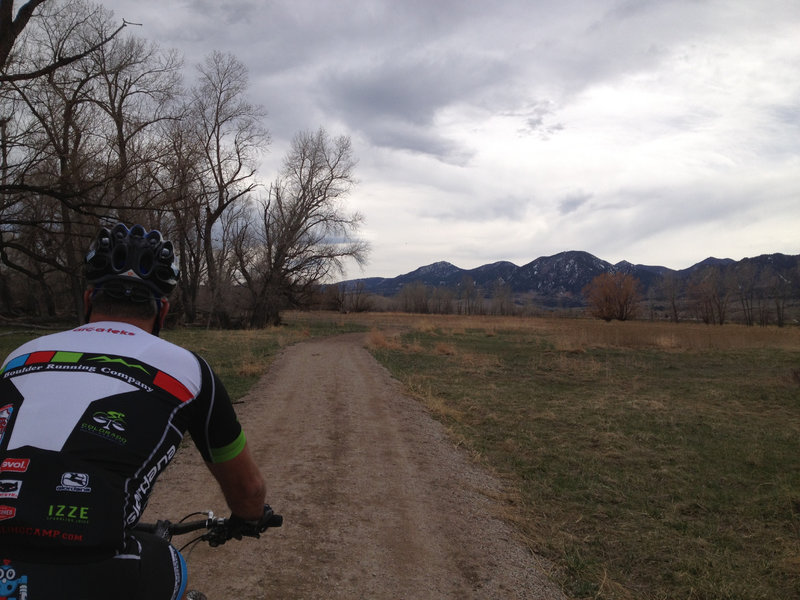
[[563, 276]]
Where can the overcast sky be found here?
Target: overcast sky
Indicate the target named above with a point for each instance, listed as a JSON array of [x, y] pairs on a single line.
[[660, 132]]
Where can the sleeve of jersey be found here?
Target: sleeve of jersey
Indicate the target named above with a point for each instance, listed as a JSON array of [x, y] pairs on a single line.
[[215, 429]]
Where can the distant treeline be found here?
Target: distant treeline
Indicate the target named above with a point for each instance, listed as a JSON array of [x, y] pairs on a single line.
[[751, 291]]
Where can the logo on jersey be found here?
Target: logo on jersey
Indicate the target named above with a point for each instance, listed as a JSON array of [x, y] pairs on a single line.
[[109, 420], [5, 417], [14, 465], [9, 488], [149, 478], [12, 585], [74, 482], [68, 513], [108, 425], [7, 512], [120, 361]]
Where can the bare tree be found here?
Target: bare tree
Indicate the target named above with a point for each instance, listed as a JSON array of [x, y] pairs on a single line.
[[230, 135], [441, 301], [178, 174], [779, 288], [56, 163], [334, 297], [12, 26], [137, 88], [700, 298], [75, 144], [710, 291], [672, 288], [413, 298], [745, 285], [613, 296], [357, 299], [502, 301], [304, 233], [470, 296]]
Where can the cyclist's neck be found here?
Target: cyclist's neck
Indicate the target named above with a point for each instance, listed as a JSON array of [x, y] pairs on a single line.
[[143, 324]]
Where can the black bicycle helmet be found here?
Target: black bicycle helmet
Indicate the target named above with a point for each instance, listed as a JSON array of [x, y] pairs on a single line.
[[121, 261]]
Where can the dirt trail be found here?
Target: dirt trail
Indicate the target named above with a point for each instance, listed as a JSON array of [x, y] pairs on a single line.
[[377, 503]]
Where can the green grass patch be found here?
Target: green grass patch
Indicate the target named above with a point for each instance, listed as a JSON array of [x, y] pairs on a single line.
[[646, 469]]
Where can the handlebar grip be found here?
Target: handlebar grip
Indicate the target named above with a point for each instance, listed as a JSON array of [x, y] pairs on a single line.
[[238, 527], [275, 520]]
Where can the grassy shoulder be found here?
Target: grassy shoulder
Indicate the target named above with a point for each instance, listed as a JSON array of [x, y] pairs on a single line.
[[649, 460]]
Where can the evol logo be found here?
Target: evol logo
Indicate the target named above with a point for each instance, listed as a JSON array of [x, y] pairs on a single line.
[[15, 465], [7, 512]]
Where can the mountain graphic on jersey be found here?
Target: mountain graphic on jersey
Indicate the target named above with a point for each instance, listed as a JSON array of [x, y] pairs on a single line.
[[121, 361]]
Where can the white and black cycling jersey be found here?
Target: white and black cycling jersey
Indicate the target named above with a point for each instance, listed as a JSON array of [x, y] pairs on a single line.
[[88, 420]]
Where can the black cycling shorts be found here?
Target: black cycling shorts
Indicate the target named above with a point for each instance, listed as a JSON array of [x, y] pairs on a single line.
[[150, 568]]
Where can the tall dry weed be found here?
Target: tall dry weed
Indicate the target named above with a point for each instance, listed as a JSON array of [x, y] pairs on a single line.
[[574, 335], [414, 347], [425, 326], [444, 349], [251, 368], [377, 339]]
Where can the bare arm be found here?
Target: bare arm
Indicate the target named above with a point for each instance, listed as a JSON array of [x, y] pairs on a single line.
[[242, 485]]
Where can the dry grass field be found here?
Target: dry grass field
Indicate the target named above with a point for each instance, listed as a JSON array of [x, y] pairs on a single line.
[[646, 460]]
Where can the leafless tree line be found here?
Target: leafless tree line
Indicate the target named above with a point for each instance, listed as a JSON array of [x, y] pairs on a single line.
[[466, 298], [97, 126], [716, 295], [742, 293]]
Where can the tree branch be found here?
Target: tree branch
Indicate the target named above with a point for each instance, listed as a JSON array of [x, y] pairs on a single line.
[[63, 61]]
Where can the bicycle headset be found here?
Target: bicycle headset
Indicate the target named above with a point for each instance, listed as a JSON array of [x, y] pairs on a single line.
[[131, 263]]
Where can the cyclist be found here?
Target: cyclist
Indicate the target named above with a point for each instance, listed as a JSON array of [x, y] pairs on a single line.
[[90, 417]]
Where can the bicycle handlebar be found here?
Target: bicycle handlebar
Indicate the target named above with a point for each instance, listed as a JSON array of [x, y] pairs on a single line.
[[218, 530]]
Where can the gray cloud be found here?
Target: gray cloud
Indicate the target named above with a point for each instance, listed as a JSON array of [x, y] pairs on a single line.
[[540, 120], [573, 202], [659, 112], [405, 93], [505, 208]]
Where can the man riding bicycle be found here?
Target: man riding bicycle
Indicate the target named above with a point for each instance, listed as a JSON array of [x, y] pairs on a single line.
[[90, 417]]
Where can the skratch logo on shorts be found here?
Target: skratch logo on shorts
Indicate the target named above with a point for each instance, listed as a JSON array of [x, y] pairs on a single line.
[[12, 586], [10, 488], [108, 425], [73, 482]]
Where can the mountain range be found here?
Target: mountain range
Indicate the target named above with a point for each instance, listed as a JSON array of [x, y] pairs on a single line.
[[559, 279]]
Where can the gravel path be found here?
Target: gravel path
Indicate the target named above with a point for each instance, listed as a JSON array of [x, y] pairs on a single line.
[[377, 502]]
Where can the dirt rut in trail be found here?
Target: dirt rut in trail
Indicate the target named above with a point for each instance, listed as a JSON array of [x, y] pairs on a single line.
[[377, 502]]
